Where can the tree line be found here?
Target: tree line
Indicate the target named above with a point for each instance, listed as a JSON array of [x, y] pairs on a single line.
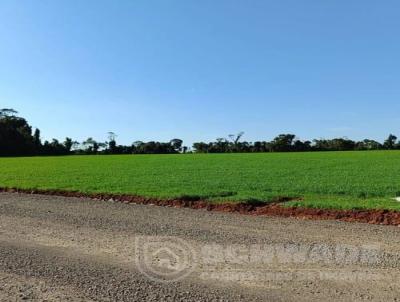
[[289, 143], [17, 138]]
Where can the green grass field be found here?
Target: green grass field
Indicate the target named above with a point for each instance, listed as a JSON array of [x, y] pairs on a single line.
[[342, 180]]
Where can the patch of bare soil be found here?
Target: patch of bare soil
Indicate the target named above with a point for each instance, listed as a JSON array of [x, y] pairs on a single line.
[[274, 208]]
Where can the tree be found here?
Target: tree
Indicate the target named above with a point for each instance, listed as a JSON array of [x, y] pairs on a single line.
[[68, 143], [235, 138], [36, 138], [368, 144], [112, 144], [111, 136], [200, 147], [282, 143], [342, 144], [220, 146], [258, 147], [390, 142], [15, 135], [90, 145], [8, 112], [299, 145], [176, 144]]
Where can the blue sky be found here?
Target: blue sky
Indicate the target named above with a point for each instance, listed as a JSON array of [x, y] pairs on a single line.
[[198, 70]]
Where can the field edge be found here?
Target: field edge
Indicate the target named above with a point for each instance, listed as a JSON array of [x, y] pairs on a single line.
[[276, 208]]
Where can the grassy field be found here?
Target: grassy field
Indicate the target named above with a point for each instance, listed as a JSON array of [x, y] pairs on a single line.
[[325, 180]]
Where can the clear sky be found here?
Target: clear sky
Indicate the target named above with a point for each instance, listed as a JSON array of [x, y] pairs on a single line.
[[202, 69]]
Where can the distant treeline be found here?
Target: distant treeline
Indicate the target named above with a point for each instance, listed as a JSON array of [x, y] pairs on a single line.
[[18, 139]]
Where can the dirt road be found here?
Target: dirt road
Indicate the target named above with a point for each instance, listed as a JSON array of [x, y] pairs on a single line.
[[69, 249]]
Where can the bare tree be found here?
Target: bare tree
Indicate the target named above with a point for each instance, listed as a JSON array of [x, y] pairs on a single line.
[[111, 136], [235, 138]]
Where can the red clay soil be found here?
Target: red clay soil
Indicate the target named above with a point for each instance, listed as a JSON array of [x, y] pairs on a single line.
[[384, 217]]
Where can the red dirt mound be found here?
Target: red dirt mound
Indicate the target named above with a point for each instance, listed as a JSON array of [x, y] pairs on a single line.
[[385, 217]]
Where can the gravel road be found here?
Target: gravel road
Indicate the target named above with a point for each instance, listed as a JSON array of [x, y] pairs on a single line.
[[70, 249]]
